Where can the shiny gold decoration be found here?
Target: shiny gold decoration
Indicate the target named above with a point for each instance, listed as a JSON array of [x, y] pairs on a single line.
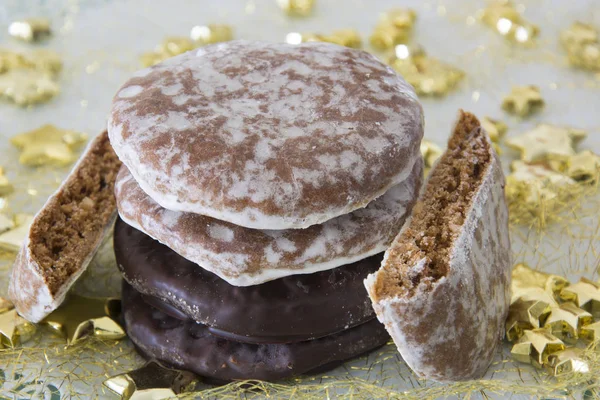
[[5, 186], [10, 60], [565, 322], [568, 361], [585, 294], [503, 17], [170, 47], [591, 332], [11, 239], [394, 27], [583, 166], [200, 35], [211, 33], [430, 152], [582, 43], [48, 145], [45, 60], [27, 86], [5, 225], [496, 129], [429, 76], [151, 382], [525, 314], [532, 184], [299, 8], [547, 143], [342, 37], [30, 29], [14, 329], [81, 316], [523, 100], [523, 276], [535, 346]]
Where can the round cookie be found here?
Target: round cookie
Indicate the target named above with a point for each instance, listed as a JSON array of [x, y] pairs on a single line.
[[188, 345], [306, 306], [267, 135], [244, 256]]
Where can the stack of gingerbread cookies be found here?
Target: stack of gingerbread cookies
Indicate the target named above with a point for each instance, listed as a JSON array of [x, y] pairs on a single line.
[[261, 185]]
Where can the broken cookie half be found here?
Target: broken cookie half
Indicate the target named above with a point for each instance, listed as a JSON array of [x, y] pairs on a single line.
[[443, 289], [66, 233]]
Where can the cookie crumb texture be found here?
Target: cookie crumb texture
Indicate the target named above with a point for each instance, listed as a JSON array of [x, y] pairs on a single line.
[[66, 232], [443, 289]]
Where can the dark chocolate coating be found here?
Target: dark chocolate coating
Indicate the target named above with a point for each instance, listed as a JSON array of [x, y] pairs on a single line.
[[190, 346], [290, 309]]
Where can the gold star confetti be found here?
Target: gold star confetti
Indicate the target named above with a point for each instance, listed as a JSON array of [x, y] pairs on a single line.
[[30, 29], [502, 16], [525, 314], [496, 129], [5, 225], [568, 361], [585, 294], [591, 332], [12, 238], [10, 60], [342, 37], [530, 184], [523, 100], [299, 8], [547, 143], [565, 322], [211, 33], [170, 47], [430, 152], [48, 145], [5, 186], [394, 27], [14, 329], [80, 316], [429, 76], [535, 346], [524, 277], [27, 86], [152, 381], [45, 60], [584, 166], [581, 41]]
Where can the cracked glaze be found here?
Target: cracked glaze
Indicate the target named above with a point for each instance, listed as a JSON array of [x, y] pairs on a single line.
[[267, 136], [244, 256], [451, 331]]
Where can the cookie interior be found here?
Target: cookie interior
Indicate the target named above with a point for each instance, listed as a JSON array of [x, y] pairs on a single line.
[[67, 230], [421, 253]]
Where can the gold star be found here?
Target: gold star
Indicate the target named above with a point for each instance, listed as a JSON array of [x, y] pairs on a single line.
[[585, 294], [565, 322], [170, 46], [80, 316], [524, 276], [25, 86], [591, 332], [525, 314], [568, 361], [299, 8], [506, 20], [584, 166], [12, 238], [394, 27], [535, 346], [430, 152], [14, 329], [429, 76], [211, 33], [45, 60], [495, 129], [48, 145], [547, 143], [531, 183], [342, 37], [152, 381], [30, 29], [523, 100], [10, 60], [5, 185], [582, 44]]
